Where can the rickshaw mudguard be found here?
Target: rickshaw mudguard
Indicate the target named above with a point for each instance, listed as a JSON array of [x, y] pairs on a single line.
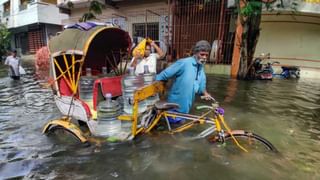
[[69, 126]]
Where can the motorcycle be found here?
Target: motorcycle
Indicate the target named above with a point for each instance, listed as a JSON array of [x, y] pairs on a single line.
[[289, 72], [266, 72], [263, 71]]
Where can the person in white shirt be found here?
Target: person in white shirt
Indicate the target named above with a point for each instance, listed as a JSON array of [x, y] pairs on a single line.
[[149, 59], [13, 62]]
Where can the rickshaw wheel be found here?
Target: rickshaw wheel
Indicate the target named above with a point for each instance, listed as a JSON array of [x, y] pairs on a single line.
[[65, 135]]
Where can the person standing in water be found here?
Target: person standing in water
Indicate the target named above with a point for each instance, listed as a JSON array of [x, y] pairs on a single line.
[[149, 59], [13, 62], [189, 77]]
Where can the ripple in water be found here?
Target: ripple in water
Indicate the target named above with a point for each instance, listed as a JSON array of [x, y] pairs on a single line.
[[20, 128], [283, 111]]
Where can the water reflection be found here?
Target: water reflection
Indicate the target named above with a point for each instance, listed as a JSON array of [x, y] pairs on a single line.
[[286, 112], [20, 139]]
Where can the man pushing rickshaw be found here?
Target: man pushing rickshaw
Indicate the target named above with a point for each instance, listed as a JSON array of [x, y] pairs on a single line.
[[77, 66]]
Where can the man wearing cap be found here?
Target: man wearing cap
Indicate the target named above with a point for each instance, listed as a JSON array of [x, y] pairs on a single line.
[[190, 78], [13, 62]]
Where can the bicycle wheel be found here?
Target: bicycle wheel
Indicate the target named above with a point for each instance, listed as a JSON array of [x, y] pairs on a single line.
[[246, 139]]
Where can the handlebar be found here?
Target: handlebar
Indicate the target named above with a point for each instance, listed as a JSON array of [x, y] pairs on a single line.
[[210, 98], [204, 107], [214, 108], [215, 103]]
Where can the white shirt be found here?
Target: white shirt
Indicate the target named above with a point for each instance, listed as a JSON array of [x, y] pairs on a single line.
[[150, 61], [14, 62]]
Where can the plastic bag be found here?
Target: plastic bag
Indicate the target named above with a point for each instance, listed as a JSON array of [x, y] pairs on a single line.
[[140, 48], [21, 71]]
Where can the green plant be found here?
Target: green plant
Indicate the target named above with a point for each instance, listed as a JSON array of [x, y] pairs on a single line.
[[5, 39], [95, 8], [251, 8], [70, 4]]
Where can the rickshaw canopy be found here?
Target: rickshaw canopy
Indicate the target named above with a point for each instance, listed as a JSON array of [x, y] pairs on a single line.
[[92, 42], [76, 49]]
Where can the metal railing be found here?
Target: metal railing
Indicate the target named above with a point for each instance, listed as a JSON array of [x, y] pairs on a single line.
[[179, 25], [195, 20]]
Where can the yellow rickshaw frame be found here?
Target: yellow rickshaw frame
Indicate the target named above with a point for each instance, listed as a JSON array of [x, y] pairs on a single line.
[[78, 45]]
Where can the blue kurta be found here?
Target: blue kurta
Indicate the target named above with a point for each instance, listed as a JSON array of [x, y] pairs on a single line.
[[189, 79]]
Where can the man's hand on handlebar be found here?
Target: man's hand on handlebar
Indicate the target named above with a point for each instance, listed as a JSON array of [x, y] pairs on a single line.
[[207, 96]]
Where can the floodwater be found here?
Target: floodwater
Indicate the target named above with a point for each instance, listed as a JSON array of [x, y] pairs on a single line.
[[286, 112]]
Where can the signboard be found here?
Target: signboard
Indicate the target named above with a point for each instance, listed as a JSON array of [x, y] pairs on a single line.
[[165, 32], [118, 21]]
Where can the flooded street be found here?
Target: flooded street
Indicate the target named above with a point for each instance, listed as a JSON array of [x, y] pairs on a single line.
[[286, 112]]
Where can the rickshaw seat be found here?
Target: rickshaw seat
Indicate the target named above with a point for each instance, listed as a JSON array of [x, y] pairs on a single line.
[[86, 107], [106, 85], [164, 105], [79, 109], [66, 91], [64, 87]]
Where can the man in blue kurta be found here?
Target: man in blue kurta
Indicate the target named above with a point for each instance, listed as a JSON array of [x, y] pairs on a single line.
[[189, 77]]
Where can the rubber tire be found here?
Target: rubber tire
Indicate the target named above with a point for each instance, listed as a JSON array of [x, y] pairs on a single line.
[[52, 130], [239, 133]]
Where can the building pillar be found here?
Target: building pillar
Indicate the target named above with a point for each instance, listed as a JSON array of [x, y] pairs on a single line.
[[237, 45]]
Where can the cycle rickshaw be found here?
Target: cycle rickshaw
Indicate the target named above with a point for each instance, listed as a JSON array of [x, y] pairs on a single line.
[[101, 49]]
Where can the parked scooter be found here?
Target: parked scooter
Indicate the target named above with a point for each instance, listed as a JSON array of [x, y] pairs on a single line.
[[263, 71], [266, 72], [289, 72]]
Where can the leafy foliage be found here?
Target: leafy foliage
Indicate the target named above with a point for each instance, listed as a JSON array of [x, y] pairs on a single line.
[[251, 8], [70, 4], [5, 38], [254, 7], [95, 8], [87, 16]]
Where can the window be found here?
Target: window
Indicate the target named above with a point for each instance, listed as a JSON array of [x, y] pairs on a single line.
[[23, 4], [139, 30], [6, 9]]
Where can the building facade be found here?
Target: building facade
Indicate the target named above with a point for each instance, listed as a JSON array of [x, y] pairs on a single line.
[[293, 37], [175, 24], [140, 18], [31, 22]]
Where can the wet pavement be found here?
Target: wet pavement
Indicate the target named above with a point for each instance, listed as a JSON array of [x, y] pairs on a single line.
[[286, 112]]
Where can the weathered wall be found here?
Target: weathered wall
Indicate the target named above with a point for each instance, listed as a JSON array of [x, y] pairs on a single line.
[[292, 40]]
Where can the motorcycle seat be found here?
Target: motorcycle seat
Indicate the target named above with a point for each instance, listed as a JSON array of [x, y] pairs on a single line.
[[290, 68]]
